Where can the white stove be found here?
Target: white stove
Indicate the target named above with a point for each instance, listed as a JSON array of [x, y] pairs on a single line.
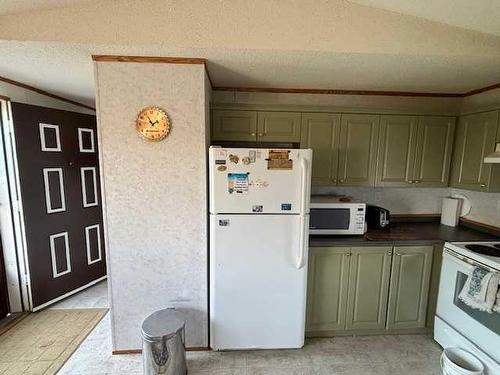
[[456, 324], [485, 253]]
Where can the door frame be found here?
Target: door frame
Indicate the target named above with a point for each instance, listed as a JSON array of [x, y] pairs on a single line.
[[12, 228]]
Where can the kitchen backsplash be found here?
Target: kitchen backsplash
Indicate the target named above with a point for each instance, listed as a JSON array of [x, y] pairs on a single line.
[[485, 206]]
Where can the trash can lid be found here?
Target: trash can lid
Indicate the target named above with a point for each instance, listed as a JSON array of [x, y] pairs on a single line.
[[162, 323]]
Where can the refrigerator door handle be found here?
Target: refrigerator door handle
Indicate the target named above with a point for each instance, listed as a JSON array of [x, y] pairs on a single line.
[[304, 192], [302, 244]]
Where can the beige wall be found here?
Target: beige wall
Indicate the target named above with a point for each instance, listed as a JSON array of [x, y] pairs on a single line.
[[155, 194], [21, 95]]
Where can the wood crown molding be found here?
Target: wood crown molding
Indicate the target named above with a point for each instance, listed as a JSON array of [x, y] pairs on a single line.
[[3, 97], [357, 92], [149, 59], [155, 59], [43, 92]]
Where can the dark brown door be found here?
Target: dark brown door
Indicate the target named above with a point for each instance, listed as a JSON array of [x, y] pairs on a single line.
[[4, 295], [57, 156]]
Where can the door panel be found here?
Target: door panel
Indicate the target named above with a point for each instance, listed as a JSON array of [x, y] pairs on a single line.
[[321, 133], [234, 125], [328, 276], [475, 139], [278, 127], [358, 149], [56, 212], [369, 274], [433, 155], [409, 289], [396, 152]]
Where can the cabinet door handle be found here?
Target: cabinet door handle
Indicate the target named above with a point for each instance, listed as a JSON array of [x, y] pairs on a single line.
[[397, 254], [261, 134], [253, 134], [417, 181], [483, 185], [341, 181], [410, 182], [334, 180], [389, 253], [347, 254]]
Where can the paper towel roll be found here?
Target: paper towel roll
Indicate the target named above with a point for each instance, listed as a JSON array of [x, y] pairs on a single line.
[[450, 213]]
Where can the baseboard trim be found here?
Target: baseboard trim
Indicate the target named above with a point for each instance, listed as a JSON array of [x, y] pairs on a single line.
[[139, 351]]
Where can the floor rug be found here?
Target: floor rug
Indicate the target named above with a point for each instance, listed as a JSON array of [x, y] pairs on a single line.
[[43, 341]]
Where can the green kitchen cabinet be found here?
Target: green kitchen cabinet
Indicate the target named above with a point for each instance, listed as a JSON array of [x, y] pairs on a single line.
[[231, 125], [409, 287], [358, 149], [396, 150], [415, 151], [278, 127], [321, 133], [327, 288], [475, 138], [434, 145], [369, 274]]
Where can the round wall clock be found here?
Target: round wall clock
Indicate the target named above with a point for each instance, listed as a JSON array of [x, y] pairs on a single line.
[[153, 123]]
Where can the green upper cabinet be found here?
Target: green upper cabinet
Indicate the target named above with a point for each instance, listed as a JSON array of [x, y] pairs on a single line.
[[234, 125], [415, 151], [409, 288], [396, 151], [327, 288], [369, 274], [433, 152], [358, 149], [278, 127], [475, 138], [321, 133]]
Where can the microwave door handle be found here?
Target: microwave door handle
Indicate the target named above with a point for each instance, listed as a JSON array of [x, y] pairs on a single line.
[[304, 192], [302, 242]]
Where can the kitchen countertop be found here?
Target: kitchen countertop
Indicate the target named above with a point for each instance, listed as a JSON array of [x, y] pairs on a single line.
[[407, 233]]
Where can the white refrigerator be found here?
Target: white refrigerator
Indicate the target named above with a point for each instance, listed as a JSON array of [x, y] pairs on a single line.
[[259, 222]]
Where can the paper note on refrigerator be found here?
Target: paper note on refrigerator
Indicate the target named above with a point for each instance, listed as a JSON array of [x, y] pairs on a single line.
[[279, 159], [237, 183]]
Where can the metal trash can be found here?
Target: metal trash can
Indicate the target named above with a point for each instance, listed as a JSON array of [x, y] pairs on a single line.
[[163, 340]]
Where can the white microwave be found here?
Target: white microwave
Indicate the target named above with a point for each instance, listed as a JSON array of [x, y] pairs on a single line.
[[328, 215]]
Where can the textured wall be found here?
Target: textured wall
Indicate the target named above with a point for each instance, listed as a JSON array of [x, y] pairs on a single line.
[[155, 196]]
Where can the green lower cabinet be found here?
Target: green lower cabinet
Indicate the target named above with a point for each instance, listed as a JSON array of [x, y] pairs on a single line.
[[369, 274], [409, 287], [327, 288]]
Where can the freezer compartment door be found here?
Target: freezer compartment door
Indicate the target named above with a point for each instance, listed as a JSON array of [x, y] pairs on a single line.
[[246, 180], [258, 270]]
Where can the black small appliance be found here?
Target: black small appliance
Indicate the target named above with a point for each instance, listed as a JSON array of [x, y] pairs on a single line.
[[377, 218]]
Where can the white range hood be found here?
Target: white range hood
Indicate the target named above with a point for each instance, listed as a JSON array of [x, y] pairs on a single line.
[[494, 157]]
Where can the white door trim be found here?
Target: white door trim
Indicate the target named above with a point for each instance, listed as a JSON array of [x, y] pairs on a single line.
[[84, 186], [44, 147], [18, 277], [53, 258], [80, 139], [50, 209], [87, 243]]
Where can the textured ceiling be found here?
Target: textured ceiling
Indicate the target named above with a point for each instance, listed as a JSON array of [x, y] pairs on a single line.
[[479, 15], [334, 44], [67, 70], [17, 6]]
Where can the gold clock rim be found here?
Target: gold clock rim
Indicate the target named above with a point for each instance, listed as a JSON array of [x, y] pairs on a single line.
[[164, 113]]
